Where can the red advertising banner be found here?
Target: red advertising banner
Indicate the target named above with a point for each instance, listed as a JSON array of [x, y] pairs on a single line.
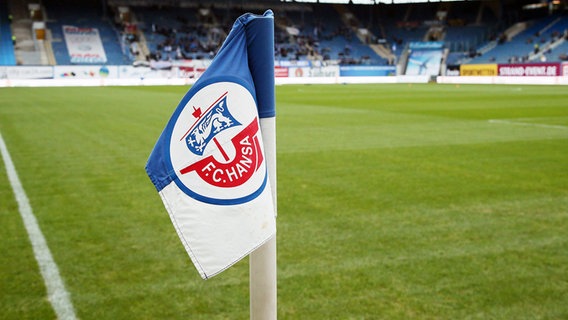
[[191, 72], [280, 72], [529, 69], [565, 69]]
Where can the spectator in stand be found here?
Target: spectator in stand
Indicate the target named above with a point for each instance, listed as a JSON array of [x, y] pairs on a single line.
[[179, 56]]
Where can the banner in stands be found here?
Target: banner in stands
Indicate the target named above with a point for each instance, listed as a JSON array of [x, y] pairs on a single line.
[[293, 63], [565, 69], [366, 71], [425, 58], [478, 70], [530, 69], [438, 45], [84, 45], [85, 72]]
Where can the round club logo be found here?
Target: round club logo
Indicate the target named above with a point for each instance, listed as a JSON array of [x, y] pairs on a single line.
[[216, 146]]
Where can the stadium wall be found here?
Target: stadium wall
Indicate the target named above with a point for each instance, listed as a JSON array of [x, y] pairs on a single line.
[[101, 75], [520, 73], [544, 80], [127, 75]]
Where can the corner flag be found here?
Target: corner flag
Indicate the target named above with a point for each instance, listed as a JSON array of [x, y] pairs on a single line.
[[209, 164]]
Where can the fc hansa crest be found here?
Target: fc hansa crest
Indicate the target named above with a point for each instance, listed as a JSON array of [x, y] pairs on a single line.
[[216, 146]]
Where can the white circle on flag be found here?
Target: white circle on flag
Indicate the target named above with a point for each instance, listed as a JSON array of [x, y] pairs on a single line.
[[215, 151]]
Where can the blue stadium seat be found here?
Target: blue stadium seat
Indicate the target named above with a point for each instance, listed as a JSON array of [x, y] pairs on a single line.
[[7, 56]]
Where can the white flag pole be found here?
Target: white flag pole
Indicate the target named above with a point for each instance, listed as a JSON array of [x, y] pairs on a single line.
[[263, 282], [262, 261]]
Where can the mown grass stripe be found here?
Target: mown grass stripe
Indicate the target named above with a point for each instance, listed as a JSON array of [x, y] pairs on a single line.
[[519, 123]]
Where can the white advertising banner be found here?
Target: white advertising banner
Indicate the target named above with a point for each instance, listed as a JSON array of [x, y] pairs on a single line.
[[36, 72], [330, 71], [85, 72], [84, 45], [131, 72]]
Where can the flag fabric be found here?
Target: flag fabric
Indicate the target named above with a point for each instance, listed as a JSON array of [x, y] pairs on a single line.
[[209, 164]]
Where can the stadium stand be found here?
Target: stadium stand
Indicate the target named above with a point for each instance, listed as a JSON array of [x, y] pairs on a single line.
[[331, 39], [522, 46], [472, 31], [194, 33], [89, 15], [180, 33], [7, 56]]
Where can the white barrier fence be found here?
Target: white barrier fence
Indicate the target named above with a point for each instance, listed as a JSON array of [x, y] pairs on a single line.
[[188, 81], [67, 76], [556, 80]]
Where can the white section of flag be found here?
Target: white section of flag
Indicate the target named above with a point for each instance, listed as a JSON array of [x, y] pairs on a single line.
[[216, 237]]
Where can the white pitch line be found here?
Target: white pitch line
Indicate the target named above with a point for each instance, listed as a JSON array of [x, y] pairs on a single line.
[[528, 124], [56, 292]]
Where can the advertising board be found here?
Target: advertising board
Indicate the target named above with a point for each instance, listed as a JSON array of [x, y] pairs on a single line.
[[367, 71], [529, 69], [474, 70]]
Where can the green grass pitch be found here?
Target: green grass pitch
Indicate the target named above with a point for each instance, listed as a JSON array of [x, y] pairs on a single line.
[[395, 202]]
